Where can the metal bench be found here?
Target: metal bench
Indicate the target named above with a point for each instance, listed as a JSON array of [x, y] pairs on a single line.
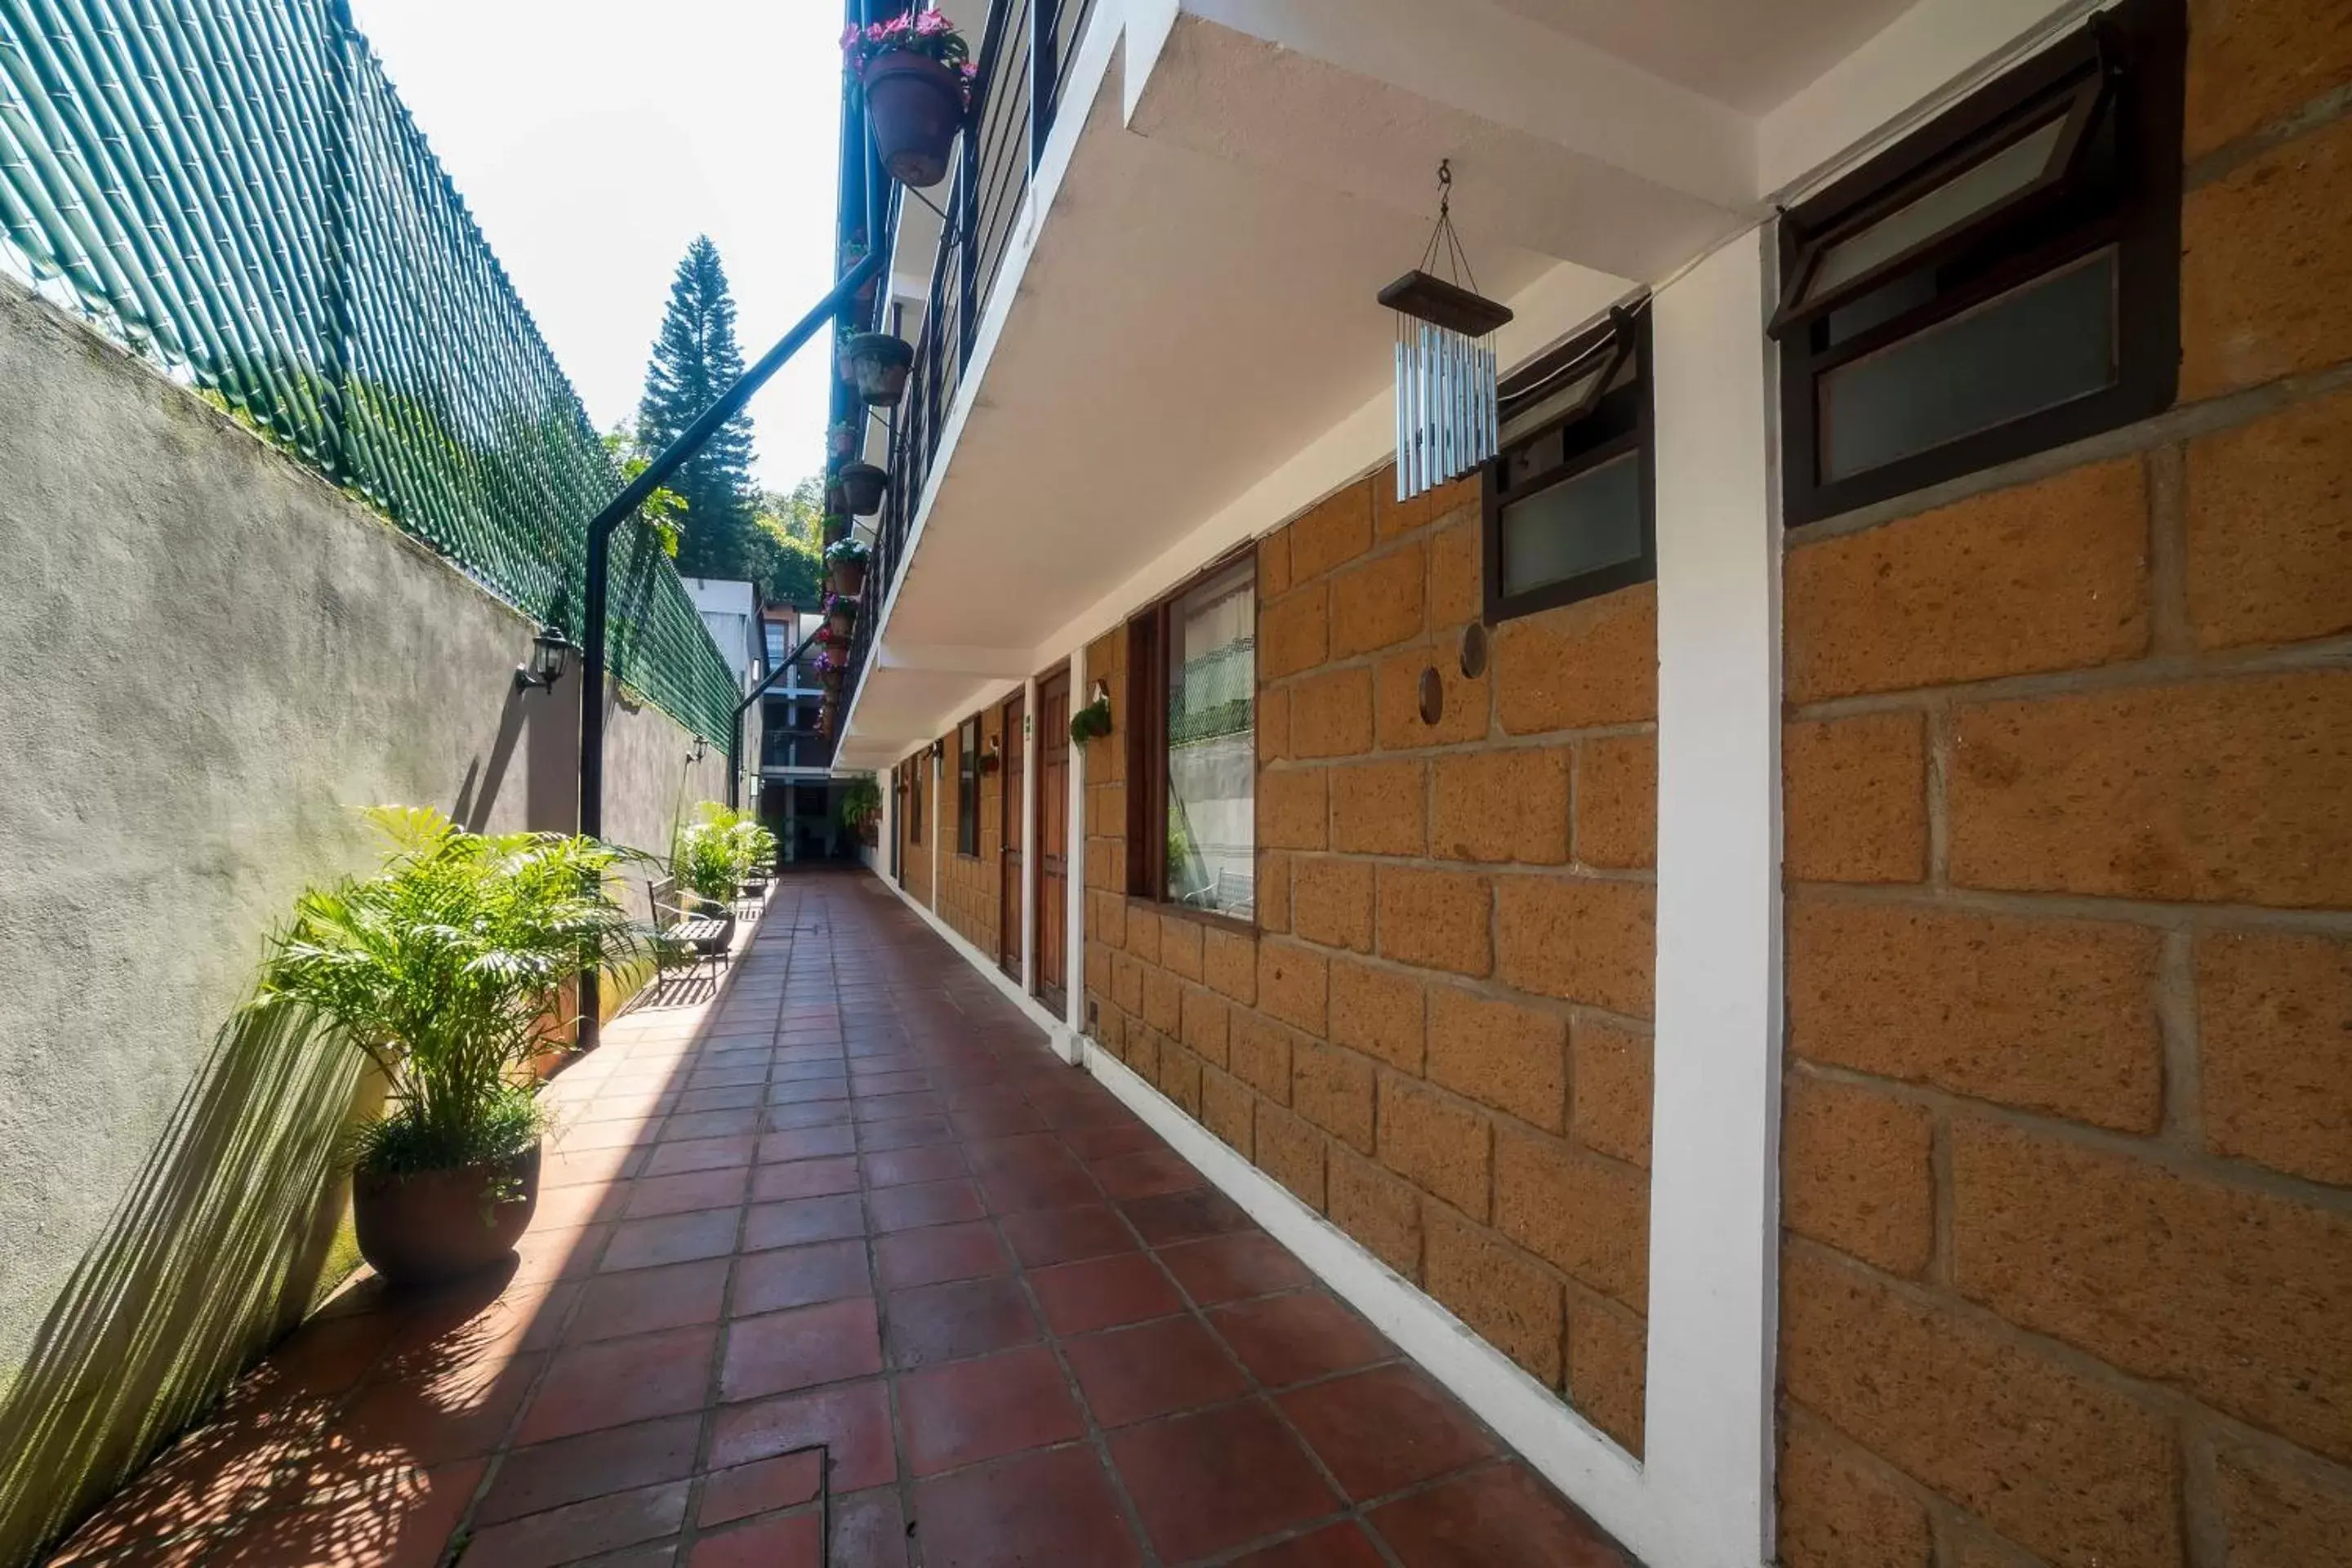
[[689, 929]]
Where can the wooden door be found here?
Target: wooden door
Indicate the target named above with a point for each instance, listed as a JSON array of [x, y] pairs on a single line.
[[1008, 909], [1053, 838]]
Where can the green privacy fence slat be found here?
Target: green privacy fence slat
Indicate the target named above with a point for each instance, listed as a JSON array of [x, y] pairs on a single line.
[[232, 188]]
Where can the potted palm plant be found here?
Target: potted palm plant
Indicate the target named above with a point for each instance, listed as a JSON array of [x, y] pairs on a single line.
[[846, 563], [448, 970], [862, 487], [877, 365], [916, 74]]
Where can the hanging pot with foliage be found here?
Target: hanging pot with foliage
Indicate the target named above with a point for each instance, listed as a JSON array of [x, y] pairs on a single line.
[[916, 74], [841, 441], [1091, 722], [877, 364], [846, 563], [833, 529], [862, 488], [840, 618]]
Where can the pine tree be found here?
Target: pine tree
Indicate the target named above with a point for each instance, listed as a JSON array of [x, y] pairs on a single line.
[[695, 359]]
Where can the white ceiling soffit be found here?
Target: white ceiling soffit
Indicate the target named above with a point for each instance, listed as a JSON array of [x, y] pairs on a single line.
[[1556, 148], [1749, 55]]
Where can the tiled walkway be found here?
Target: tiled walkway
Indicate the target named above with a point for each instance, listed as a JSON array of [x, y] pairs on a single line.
[[851, 1214]]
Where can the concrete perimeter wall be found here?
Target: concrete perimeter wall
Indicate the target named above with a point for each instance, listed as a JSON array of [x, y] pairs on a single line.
[[209, 659]]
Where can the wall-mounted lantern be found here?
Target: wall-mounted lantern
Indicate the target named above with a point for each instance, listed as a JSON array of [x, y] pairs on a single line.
[[547, 651]]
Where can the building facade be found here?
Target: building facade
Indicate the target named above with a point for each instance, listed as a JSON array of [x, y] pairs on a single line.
[[1787, 937]]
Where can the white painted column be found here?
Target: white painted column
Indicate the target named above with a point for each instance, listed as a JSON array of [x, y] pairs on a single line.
[[1074, 960], [1029, 837], [1715, 1167]]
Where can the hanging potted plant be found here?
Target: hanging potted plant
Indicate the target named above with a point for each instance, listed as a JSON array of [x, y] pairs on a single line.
[[834, 528], [846, 561], [829, 672], [841, 441], [447, 969], [862, 488], [877, 364], [916, 74], [840, 618], [1092, 720]]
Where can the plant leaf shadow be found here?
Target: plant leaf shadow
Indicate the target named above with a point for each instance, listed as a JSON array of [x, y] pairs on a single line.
[[213, 1252]]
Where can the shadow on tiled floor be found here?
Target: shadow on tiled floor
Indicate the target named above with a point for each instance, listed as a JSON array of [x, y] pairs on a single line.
[[850, 1210]]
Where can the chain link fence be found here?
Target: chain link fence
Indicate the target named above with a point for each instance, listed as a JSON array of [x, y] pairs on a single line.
[[233, 189]]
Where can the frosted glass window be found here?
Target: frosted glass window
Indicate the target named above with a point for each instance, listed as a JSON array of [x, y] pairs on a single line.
[[2044, 344], [1959, 201], [1577, 526]]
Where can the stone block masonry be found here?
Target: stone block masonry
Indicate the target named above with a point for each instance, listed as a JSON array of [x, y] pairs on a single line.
[[1436, 1033], [2067, 1200]]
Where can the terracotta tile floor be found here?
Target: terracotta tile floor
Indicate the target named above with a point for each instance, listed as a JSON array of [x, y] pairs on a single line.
[[851, 1201]]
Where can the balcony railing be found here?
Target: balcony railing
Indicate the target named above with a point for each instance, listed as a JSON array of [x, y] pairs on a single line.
[[794, 749], [1024, 57]]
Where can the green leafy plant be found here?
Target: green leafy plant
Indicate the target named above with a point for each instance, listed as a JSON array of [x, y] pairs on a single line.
[[1091, 722], [716, 854], [861, 803], [847, 550], [446, 969]]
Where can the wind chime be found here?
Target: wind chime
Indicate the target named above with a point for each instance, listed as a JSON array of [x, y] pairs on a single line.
[[1445, 375]]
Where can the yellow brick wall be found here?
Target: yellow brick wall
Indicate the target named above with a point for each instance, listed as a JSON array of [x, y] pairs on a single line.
[[1438, 1033], [2067, 1196]]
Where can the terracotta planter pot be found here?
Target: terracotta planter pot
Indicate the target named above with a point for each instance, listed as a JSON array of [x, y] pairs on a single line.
[[877, 364], [436, 1226], [914, 107], [840, 444], [848, 577], [842, 623], [832, 533], [862, 486]]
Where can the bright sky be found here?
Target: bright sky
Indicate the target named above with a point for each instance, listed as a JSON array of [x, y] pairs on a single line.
[[594, 139]]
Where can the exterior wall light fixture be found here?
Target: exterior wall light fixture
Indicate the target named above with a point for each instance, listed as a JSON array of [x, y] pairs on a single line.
[[547, 651]]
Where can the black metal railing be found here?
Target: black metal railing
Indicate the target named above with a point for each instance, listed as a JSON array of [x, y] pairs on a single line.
[[796, 748], [1024, 57]]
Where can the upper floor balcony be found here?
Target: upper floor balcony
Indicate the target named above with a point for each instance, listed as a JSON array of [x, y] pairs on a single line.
[[1143, 302]]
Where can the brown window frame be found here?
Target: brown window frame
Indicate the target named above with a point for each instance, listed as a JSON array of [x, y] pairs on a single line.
[[1146, 743], [968, 788], [914, 767], [1607, 425], [2126, 67]]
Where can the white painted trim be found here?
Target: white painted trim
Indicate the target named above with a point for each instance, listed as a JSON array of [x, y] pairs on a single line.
[[1714, 1183], [1572, 1453], [1028, 835], [1054, 1033], [1074, 881]]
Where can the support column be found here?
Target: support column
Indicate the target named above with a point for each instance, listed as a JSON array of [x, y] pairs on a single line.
[[1715, 1169], [1029, 837], [930, 765], [1074, 962]]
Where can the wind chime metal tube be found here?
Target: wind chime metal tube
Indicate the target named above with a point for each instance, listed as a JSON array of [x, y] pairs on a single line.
[[1446, 362]]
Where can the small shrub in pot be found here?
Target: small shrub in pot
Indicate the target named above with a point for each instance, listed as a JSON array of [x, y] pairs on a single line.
[[447, 969], [846, 565]]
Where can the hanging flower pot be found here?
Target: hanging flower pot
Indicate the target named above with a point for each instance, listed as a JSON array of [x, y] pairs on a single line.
[[841, 441], [876, 364], [841, 619], [845, 564], [863, 484], [834, 528]]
